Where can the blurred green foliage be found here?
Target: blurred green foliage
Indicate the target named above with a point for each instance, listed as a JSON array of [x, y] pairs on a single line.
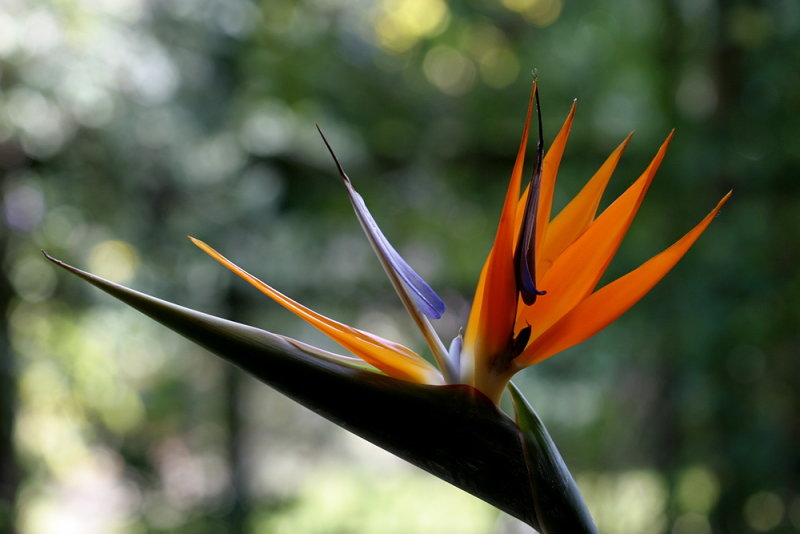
[[126, 125]]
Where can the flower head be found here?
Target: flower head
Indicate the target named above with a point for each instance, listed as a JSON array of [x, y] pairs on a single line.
[[537, 293]]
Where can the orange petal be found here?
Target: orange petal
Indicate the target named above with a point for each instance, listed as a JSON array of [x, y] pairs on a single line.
[[579, 213], [477, 305], [576, 272], [491, 319], [549, 173], [605, 305], [391, 358]]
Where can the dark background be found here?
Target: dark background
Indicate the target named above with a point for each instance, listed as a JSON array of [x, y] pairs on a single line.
[[125, 126]]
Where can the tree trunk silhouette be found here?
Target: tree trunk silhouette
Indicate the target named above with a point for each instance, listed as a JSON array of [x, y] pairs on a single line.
[[9, 473]]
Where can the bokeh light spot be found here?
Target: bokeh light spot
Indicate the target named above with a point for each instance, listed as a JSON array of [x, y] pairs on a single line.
[[9, 32], [268, 129], [499, 67], [42, 124], [153, 76], [24, 206], [763, 511], [402, 23], [33, 279], [42, 32], [496, 59], [696, 96], [42, 385], [540, 12], [449, 70], [91, 497], [115, 260], [750, 26], [395, 504], [90, 105], [629, 502], [697, 489]]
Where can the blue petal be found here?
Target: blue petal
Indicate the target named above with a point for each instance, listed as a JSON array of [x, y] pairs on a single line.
[[426, 299], [525, 253], [421, 302]]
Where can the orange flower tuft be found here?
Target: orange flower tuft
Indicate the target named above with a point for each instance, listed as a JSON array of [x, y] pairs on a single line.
[[537, 293]]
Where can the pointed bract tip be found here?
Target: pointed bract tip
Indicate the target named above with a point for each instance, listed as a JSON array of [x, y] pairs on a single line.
[[667, 141], [53, 260], [516, 395], [572, 108], [339, 167], [65, 266], [625, 142], [533, 93]]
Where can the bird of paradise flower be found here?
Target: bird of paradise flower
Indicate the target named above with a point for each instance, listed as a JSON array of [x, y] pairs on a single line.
[[513, 323], [536, 296]]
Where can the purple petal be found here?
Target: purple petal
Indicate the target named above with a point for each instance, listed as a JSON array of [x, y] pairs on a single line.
[[421, 302], [525, 254], [426, 299]]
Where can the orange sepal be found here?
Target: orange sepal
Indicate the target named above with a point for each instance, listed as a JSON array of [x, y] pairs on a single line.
[[491, 319], [605, 305], [576, 272], [392, 358], [552, 161], [576, 216]]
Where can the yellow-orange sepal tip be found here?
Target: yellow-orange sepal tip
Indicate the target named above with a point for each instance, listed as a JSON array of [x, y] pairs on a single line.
[[579, 213], [575, 273], [550, 165], [392, 358], [605, 305]]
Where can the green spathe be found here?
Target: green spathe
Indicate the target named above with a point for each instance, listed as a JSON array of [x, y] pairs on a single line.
[[454, 432], [558, 504]]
